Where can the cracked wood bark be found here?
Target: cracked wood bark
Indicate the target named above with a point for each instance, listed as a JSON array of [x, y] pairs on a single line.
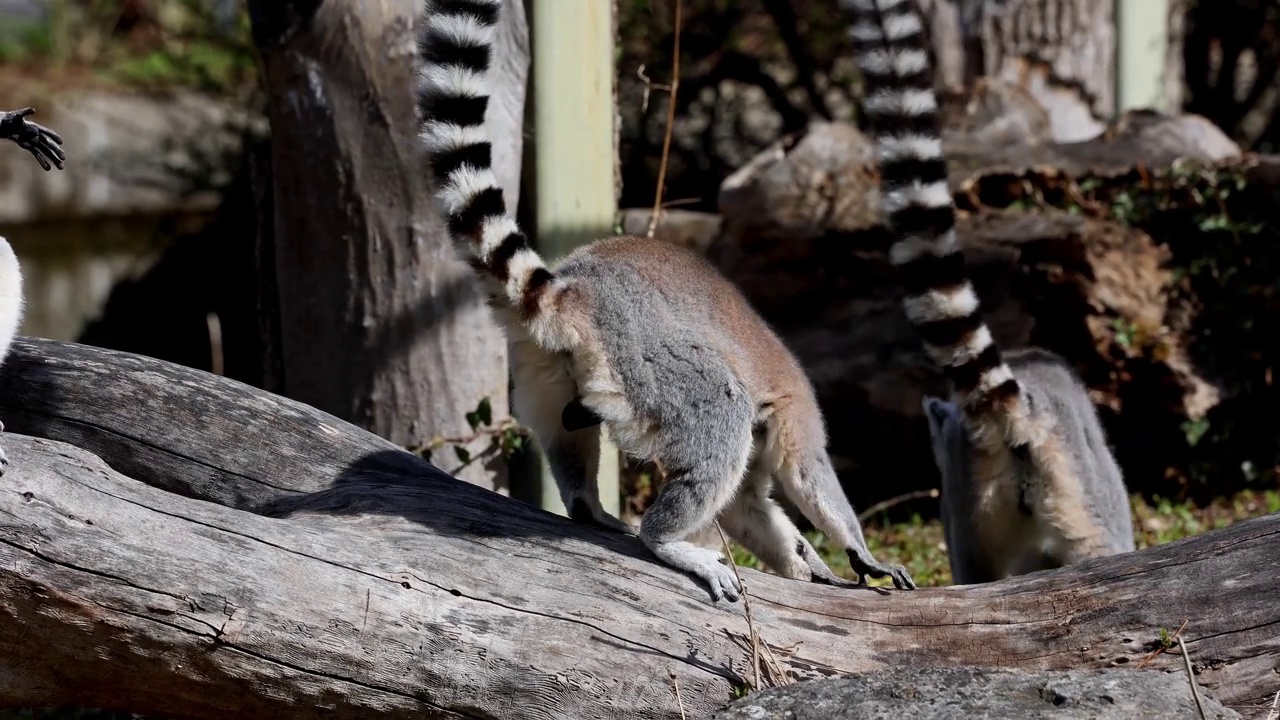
[[380, 323], [171, 426], [1060, 51], [391, 588]]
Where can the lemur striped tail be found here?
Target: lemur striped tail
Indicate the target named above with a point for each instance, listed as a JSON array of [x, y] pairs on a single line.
[[455, 48], [899, 100]]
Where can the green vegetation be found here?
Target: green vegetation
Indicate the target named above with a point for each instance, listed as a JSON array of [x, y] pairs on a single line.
[[918, 543], [145, 44], [1218, 224], [506, 437]]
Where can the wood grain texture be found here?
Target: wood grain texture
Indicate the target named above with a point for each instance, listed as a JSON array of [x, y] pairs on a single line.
[[1063, 51], [179, 429], [384, 586]]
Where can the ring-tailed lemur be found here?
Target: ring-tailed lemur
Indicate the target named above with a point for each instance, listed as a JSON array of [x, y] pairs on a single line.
[[11, 307], [42, 143], [648, 338], [1029, 481]]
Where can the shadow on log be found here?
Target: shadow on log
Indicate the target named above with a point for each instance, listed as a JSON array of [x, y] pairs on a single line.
[[393, 588]]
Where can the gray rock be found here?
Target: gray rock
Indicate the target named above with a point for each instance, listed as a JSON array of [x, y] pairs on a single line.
[[127, 154], [971, 693]]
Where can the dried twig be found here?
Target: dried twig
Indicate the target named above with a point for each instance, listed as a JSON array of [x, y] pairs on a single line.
[[1163, 648], [1191, 678], [215, 342], [671, 121], [648, 85], [1275, 707], [778, 677], [758, 658], [883, 505], [679, 700], [746, 608]]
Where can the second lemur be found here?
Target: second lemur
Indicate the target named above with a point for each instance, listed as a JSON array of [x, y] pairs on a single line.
[[1028, 479], [11, 306], [43, 144], [649, 338]]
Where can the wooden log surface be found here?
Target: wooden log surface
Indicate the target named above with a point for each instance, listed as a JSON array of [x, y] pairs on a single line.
[[179, 429], [393, 588]]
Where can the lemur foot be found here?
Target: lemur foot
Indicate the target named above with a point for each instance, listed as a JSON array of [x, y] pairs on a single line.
[[707, 565], [819, 571], [582, 512], [4, 459], [866, 566]]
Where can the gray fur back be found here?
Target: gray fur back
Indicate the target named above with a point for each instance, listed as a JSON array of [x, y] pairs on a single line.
[[1050, 386], [668, 352]]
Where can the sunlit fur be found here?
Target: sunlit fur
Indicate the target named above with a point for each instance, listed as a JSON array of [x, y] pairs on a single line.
[[645, 335]]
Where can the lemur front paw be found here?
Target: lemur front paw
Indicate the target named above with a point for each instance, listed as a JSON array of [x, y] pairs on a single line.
[[720, 577], [4, 459], [868, 566], [709, 566], [577, 416], [36, 139]]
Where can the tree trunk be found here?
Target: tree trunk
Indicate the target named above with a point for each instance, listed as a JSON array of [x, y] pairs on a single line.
[[380, 324], [392, 589], [1174, 79], [1060, 51]]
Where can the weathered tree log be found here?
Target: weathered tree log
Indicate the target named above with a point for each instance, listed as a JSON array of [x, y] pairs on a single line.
[[436, 599], [945, 693], [178, 429], [392, 588]]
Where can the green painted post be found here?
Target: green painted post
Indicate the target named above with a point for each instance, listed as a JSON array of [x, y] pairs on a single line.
[[1142, 37], [574, 185]]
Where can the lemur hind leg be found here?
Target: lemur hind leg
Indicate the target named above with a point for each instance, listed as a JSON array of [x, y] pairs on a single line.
[[705, 453], [757, 522], [811, 483], [542, 390]]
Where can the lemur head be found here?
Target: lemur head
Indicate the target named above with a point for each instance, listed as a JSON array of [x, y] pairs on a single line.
[[947, 436]]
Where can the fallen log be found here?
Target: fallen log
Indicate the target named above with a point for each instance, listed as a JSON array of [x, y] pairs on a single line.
[[175, 428], [961, 692], [393, 588]]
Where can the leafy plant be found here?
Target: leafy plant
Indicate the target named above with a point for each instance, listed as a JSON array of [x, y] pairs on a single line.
[[506, 437]]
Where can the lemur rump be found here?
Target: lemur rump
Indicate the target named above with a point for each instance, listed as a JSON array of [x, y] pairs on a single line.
[[643, 336], [1028, 479]]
